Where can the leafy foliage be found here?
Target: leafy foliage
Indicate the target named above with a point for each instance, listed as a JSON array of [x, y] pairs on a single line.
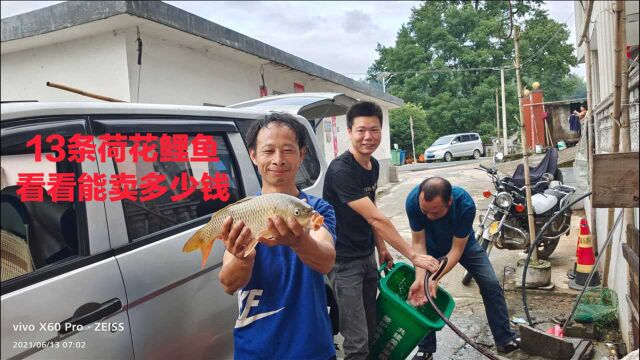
[[440, 57], [400, 128]]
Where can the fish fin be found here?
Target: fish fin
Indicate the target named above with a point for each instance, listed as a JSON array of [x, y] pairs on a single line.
[[195, 242], [264, 234], [206, 250], [317, 221], [252, 245]]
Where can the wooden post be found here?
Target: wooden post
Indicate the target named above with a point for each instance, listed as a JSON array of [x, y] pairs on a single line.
[[615, 129], [497, 114], [591, 131], [625, 129], [504, 113], [525, 153]]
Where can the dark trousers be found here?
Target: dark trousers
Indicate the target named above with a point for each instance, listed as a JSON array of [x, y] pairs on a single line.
[[354, 283], [476, 261]]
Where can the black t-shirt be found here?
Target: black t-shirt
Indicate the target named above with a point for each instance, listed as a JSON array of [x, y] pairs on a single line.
[[344, 182]]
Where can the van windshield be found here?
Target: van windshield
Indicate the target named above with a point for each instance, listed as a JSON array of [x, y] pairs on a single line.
[[443, 140]]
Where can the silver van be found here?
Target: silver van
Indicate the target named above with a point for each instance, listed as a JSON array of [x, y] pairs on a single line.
[[107, 279], [453, 146]]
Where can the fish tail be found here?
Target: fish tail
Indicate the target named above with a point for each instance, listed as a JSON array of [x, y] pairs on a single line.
[[198, 241], [206, 250], [195, 242]]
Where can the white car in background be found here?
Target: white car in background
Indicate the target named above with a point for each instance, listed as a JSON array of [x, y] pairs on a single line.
[[453, 146]]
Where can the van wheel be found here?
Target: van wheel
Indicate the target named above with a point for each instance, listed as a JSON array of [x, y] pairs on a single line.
[[448, 157], [476, 154]]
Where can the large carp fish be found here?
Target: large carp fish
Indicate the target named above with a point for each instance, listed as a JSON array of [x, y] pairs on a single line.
[[253, 211]]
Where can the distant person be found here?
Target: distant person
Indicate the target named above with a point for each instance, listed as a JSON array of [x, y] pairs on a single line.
[[582, 113]]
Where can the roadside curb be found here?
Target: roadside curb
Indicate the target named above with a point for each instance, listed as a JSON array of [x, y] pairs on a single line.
[[386, 188]]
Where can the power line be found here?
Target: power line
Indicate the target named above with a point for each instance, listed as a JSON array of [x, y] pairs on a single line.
[[435, 70], [548, 41]]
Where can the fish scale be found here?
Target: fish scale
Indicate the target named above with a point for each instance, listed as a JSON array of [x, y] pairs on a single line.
[[253, 212]]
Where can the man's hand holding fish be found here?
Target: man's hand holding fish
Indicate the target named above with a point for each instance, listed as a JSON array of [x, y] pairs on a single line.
[[287, 233], [237, 237]]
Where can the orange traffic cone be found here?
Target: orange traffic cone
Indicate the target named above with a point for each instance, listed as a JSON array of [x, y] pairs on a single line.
[[585, 259]]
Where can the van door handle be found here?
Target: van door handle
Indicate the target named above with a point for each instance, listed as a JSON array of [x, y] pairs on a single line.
[[89, 313]]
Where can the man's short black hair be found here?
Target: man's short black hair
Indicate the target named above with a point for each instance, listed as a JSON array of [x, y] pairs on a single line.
[[363, 108], [279, 118], [436, 186]]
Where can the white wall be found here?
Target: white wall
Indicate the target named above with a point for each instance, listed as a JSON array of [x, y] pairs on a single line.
[[618, 279], [177, 68], [175, 74], [604, 39], [95, 64], [602, 30], [172, 73]]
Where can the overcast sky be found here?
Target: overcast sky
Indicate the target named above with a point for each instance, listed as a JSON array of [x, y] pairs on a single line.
[[341, 36]]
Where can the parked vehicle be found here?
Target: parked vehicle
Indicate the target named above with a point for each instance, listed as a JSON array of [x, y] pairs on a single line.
[[89, 279], [505, 222], [453, 146]]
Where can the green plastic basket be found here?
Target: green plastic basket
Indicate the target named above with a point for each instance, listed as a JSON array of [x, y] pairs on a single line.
[[400, 325]]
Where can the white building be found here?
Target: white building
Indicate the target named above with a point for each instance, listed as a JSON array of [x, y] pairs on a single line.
[[92, 45], [601, 31]]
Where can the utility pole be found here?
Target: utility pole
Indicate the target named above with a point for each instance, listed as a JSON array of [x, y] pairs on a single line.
[[413, 144], [525, 152], [504, 113], [497, 114]]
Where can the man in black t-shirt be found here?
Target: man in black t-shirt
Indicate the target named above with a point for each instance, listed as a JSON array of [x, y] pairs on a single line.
[[350, 186]]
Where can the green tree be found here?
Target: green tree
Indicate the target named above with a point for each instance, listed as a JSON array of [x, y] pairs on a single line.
[[445, 58], [549, 65], [400, 128], [574, 87]]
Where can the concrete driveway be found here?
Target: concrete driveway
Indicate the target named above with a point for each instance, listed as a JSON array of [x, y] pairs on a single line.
[[438, 164], [469, 313]]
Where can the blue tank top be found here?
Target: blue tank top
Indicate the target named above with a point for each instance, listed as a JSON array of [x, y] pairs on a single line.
[[283, 309]]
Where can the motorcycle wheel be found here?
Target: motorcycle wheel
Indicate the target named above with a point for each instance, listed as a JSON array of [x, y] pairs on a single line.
[[466, 277], [546, 248]]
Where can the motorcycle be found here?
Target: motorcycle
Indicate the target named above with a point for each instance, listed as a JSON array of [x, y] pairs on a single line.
[[505, 223]]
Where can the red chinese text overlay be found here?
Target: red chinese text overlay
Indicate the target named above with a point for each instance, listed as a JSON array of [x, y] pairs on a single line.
[[121, 186]]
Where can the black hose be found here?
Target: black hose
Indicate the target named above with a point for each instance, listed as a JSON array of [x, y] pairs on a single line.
[[534, 246], [443, 263]]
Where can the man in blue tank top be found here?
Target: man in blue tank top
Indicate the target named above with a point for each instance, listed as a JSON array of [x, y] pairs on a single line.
[[281, 293]]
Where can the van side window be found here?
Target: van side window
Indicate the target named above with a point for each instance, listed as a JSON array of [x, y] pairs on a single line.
[[182, 199], [458, 139], [466, 138], [309, 169], [474, 137], [41, 217]]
